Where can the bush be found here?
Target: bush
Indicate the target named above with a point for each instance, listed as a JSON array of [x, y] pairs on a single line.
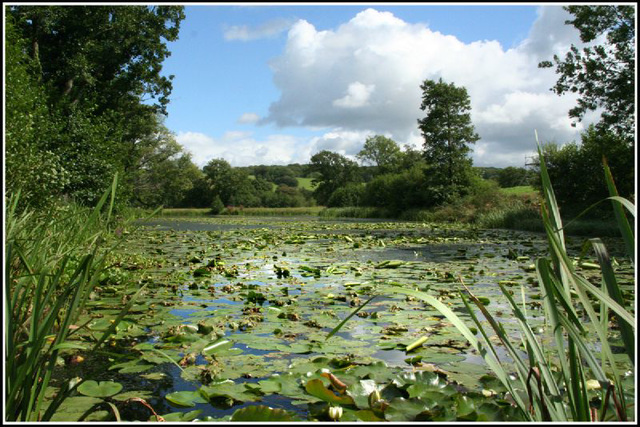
[[287, 180], [350, 195], [216, 206]]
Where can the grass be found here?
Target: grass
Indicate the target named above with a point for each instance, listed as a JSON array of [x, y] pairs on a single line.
[[54, 260], [520, 190], [555, 384], [242, 211], [305, 183], [180, 212], [300, 211]]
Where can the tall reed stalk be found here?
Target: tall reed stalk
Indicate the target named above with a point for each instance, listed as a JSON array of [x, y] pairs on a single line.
[[53, 262], [554, 385]]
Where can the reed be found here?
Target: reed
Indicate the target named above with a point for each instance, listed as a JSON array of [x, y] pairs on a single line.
[[53, 261], [554, 385]]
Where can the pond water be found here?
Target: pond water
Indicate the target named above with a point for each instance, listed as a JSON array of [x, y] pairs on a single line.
[[273, 288]]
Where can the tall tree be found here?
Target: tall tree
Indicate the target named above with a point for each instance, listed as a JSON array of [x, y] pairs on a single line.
[[602, 74], [447, 130], [381, 152], [333, 171], [99, 70]]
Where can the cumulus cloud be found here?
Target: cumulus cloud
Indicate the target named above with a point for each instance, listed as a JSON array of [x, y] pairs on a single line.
[[268, 29], [249, 118], [364, 78], [240, 148], [358, 95]]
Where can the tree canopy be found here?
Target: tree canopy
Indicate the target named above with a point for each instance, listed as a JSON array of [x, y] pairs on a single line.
[[447, 130], [603, 73]]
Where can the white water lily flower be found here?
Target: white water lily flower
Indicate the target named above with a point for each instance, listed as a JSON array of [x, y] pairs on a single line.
[[335, 412]]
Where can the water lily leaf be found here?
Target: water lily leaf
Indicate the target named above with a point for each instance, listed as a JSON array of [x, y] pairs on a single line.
[[466, 408], [401, 409], [316, 388], [490, 382], [70, 346], [360, 392], [200, 272], [142, 394], [72, 408], [185, 398], [263, 413], [99, 389], [220, 347], [179, 416], [368, 415], [228, 389], [154, 376], [390, 264]]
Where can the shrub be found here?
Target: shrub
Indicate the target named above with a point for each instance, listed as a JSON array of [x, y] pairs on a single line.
[[351, 194], [216, 206]]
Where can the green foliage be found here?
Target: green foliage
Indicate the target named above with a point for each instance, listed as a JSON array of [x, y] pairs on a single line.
[[216, 205], [602, 74], [447, 129], [54, 260], [381, 152], [164, 173], [351, 194], [32, 168], [576, 169], [514, 177], [77, 78], [334, 170]]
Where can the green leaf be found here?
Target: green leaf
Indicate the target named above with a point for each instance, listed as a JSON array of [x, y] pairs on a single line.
[[263, 413], [185, 398], [102, 389], [316, 388]]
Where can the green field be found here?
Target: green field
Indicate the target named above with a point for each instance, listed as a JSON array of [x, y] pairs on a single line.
[[520, 190], [305, 183]]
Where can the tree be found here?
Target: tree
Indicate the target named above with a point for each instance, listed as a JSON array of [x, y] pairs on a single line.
[[447, 129], [577, 173], [165, 173], [232, 185], [381, 152], [603, 74], [334, 170], [38, 173], [513, 177], [96, 68]]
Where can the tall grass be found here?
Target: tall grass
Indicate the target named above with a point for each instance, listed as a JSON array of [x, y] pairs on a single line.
[[552, 384], [53, 261]]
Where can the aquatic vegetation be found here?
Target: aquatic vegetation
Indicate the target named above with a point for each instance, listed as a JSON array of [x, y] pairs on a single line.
[[237, 313]]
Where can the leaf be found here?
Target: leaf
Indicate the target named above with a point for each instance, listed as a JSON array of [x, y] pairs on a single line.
[[263, 413], [316, 388], [185, 398], [416, 344], [220, 347], [179, 416], [102, 389]]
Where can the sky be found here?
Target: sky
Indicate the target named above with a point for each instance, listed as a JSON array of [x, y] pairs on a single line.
[[275, 84]]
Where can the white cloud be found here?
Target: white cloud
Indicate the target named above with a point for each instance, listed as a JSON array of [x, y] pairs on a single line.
[[364, 78], [242, 149], [268, 29], [358, 95], [249, 118]]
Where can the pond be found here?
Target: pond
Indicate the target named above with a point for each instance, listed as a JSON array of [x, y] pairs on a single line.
[[236, 313]]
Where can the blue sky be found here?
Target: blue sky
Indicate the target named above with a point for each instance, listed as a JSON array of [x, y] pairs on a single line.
[[274, 84]]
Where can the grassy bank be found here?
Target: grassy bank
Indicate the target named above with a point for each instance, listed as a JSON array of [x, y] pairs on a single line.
[[242, 211], [55, 259]]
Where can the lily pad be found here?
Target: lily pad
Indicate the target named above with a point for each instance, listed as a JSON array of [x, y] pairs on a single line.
[[316, 388], [99, 389], [185, 398], [263, 413]]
